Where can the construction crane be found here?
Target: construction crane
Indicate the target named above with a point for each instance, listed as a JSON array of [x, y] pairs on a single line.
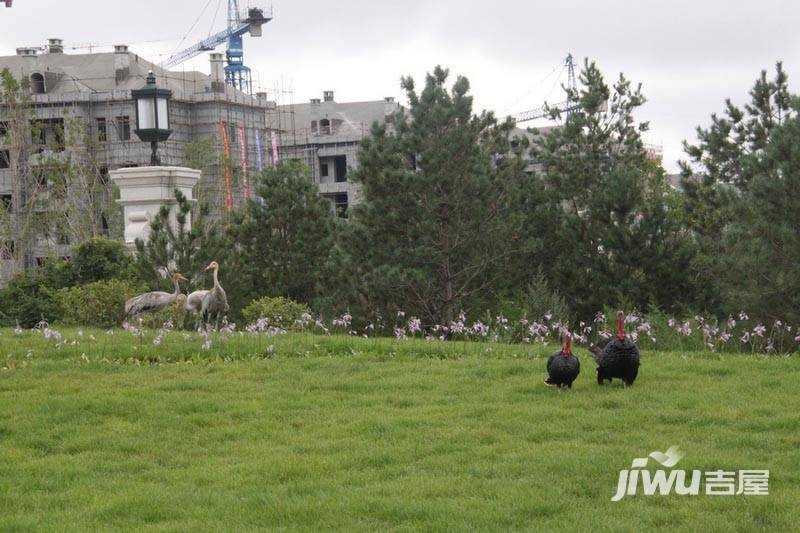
[[249, 21], [570, 105]]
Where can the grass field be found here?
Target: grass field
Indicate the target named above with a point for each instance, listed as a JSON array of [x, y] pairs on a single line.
[[300, 432]]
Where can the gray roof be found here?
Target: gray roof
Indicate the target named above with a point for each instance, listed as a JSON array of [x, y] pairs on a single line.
[[69, 75], [355, 118]]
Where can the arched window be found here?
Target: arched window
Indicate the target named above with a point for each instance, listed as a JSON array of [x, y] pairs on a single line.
[[324, 126], [37, 83]]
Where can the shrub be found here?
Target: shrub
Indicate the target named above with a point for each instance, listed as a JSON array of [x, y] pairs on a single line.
[[281, 312], [101, 303], [539, 299], [27, 299], [101, 259]]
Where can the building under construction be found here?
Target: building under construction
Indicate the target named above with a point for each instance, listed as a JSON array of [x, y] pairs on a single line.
[[228, 134], [94, 92], [326, 134]]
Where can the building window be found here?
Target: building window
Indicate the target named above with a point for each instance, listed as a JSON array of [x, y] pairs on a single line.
[[340, 204], [62, 236], [340, 168], [102, 132], [7, 201], [3, 128], [324, 126], [232, 133], [5, 159], [323, 170], [103, 174], [7, 250], [124, 128], [40, 175], [314, 126], [37, 83], [48, 134]]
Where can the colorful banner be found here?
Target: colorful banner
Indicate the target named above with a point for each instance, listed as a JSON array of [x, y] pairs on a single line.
[[274, 148], [226, 165], [243, 158], [259, 157]]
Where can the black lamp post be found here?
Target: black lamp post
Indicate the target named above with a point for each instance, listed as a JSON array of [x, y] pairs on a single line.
[[152, 115]]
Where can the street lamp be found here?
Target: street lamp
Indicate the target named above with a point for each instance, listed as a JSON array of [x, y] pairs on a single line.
[[152, 115]]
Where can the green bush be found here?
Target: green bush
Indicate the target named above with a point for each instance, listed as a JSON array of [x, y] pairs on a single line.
[[281, 312], [539, 298], [101, 259], [101, 303], [27, 299]]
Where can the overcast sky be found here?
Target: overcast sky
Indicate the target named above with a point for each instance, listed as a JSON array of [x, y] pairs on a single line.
[[689, 55]]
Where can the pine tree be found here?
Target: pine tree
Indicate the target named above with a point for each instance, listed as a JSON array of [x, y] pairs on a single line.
[[618, 240], [177, 248], [436, 223], [283, 239], [742, 183]]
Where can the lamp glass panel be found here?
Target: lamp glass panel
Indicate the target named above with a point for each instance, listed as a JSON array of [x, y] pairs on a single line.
[[163, 114], [147, 113]]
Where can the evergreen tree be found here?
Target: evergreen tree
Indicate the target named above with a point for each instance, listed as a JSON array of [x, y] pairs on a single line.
[[283, 239], [618, 239], [742, 183], [437, 223], [177, 248]]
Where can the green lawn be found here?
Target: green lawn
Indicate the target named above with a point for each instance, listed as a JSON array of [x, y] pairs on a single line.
[[299, 432]]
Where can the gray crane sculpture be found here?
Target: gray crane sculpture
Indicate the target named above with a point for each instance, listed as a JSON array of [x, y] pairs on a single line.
[[215, 303], [154, 301]]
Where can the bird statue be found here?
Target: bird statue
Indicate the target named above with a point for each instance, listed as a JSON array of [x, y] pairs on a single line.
[[154, 301], [619, 358], [215, 303], [563, 366]]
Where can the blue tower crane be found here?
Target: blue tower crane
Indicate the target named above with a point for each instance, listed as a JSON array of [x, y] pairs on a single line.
[[237, 74]]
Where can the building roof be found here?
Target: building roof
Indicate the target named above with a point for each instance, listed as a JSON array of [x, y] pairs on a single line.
[[351, 118], [70, 75]]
